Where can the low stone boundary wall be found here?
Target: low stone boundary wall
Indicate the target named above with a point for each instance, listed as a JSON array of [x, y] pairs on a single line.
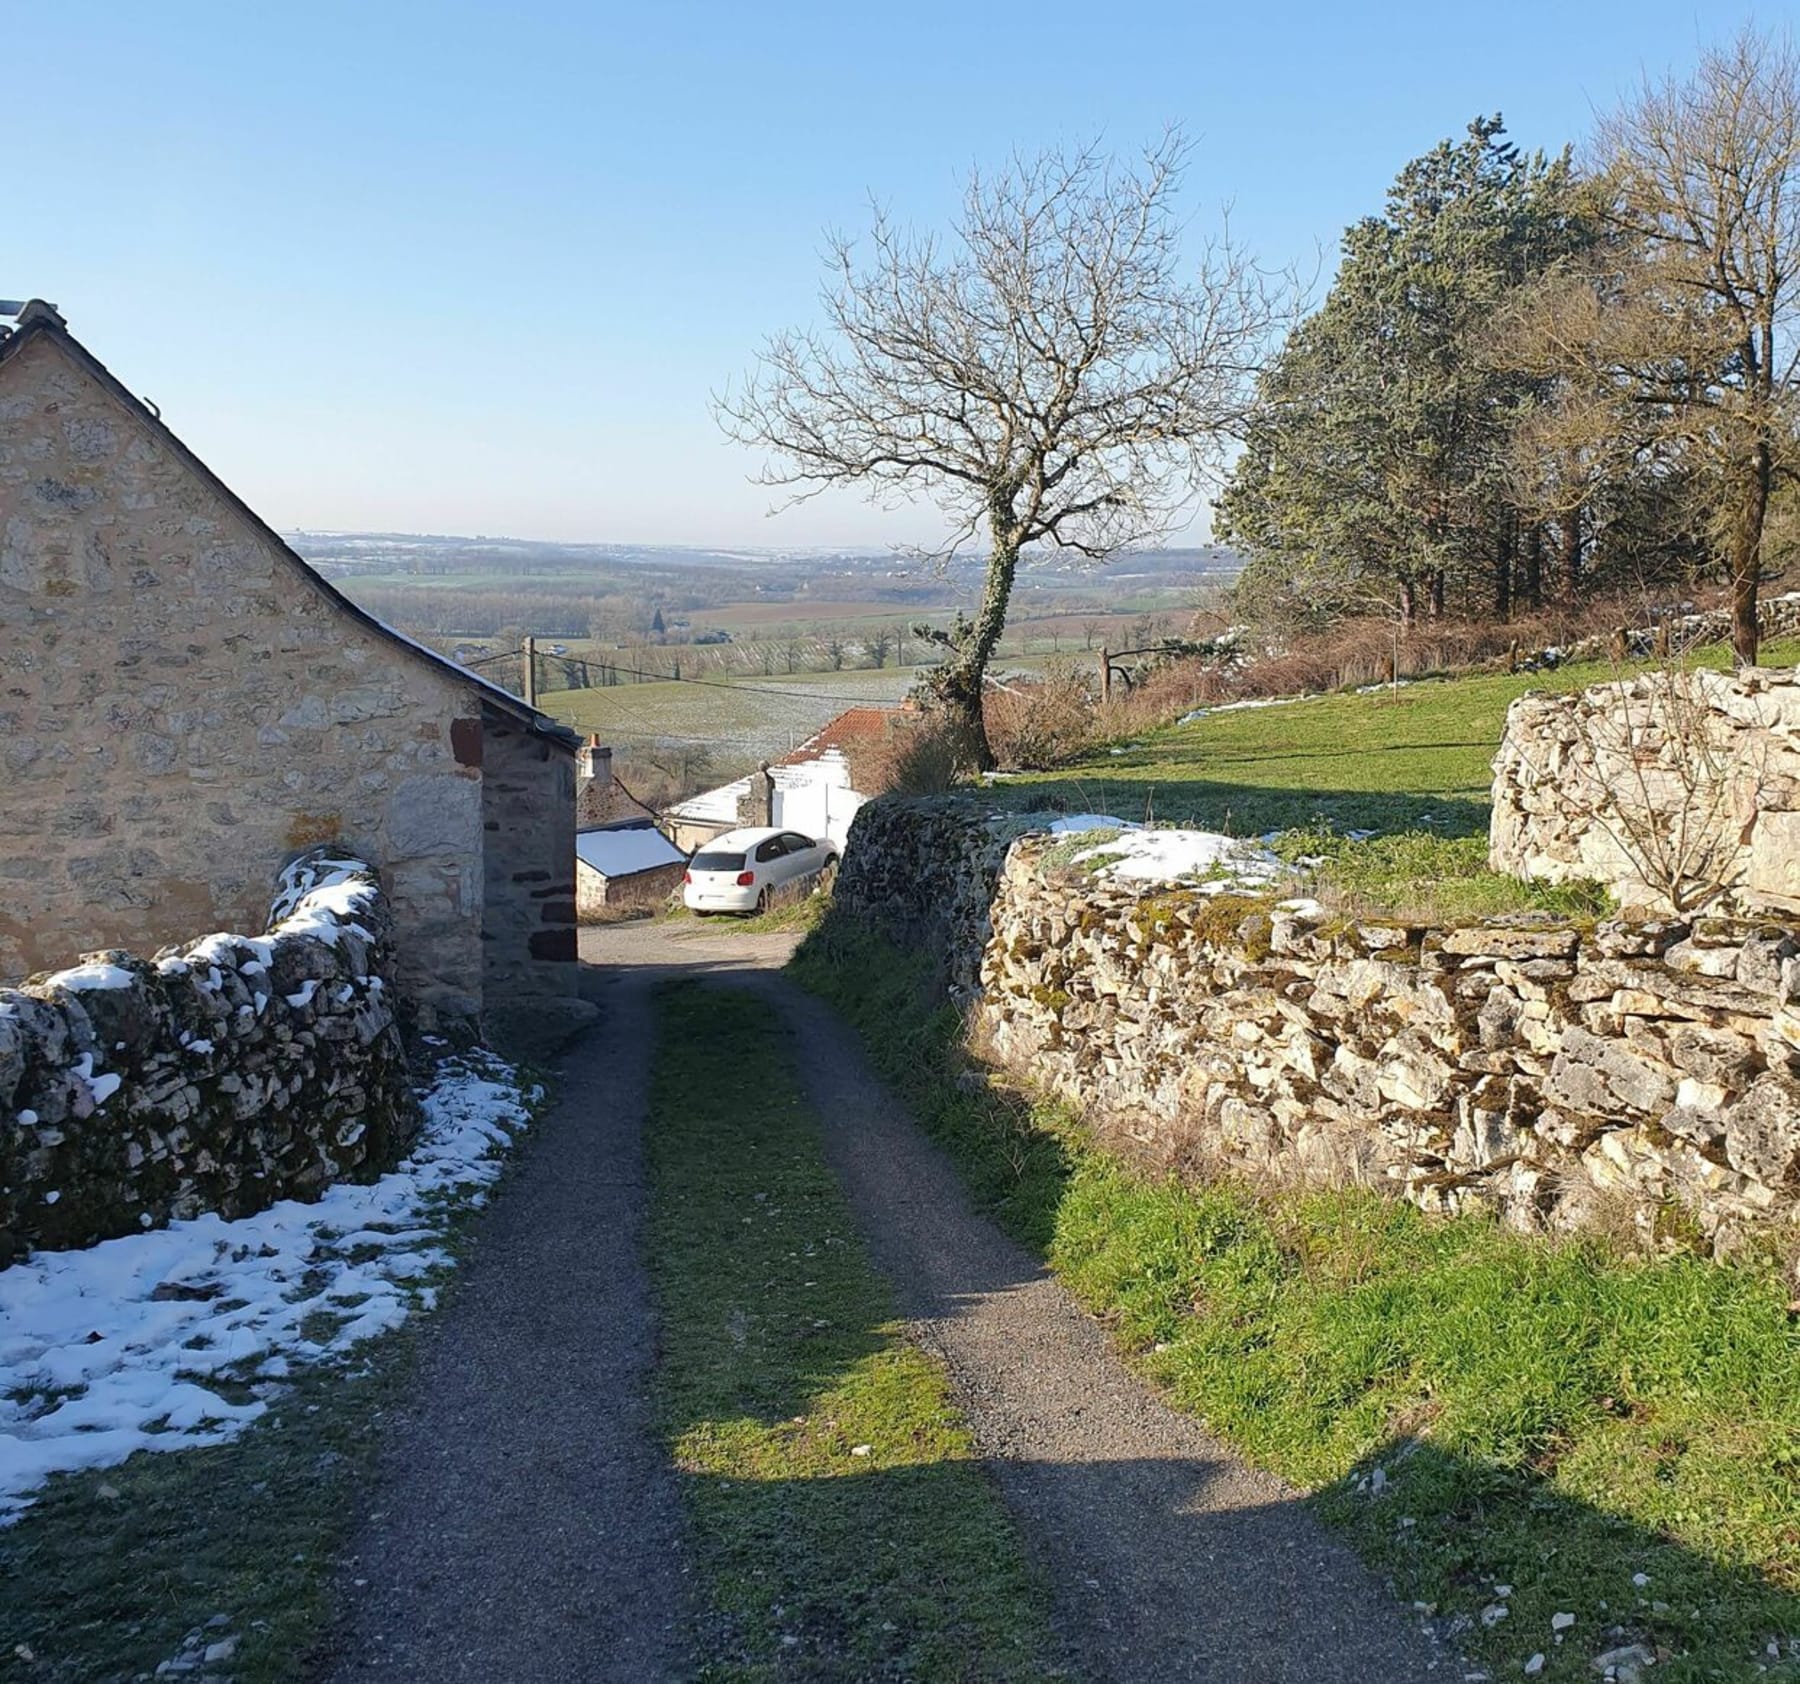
[[924, 872], [1677, 790], [221, 1076], [1569, 1077], [1776, 616]]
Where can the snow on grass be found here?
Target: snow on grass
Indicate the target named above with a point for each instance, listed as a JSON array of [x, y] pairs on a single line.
[[1247, 704], [177, 1337], [1173, 856], [1077, 822]]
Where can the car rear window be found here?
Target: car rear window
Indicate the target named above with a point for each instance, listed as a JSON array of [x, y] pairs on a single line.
[[716, 862]]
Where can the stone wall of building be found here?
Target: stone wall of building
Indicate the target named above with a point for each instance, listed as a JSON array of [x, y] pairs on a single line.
[[219, 1076], [528, 937], [182, 708], [596, 897], [1567, 1077], [1679, 791]]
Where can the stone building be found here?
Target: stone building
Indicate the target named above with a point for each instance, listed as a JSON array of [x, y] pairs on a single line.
[[185, 705], [624, 867]]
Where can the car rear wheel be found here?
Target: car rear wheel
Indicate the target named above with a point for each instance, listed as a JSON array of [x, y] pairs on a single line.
[[762, 901]]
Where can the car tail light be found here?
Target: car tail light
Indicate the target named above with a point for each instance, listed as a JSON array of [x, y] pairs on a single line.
[[687, 876], [745, 879]]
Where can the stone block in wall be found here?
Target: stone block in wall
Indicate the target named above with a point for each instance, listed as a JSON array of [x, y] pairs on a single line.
[[1762, 1132], [434, 815]]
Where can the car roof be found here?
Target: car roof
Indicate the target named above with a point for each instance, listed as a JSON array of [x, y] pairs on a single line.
[[744, 838]]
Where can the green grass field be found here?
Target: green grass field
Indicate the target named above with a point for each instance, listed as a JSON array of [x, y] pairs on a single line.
[[1415, 757], [741, 721]]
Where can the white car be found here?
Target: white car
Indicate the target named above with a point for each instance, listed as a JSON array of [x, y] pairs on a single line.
[[741, 870]]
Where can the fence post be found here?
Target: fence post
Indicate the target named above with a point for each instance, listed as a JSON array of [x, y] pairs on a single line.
[[528, 662]]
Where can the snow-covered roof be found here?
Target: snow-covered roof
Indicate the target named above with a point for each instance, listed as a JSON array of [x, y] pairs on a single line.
[[713, 806], [624, 851], [830, 768]]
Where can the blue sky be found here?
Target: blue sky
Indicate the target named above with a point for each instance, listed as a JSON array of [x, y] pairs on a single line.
[[473, 268]]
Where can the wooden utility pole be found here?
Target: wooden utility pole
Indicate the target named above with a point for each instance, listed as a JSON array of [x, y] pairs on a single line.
[[1105, 675], [528, 661]]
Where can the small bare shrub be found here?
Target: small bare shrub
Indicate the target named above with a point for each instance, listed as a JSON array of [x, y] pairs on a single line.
[[917, 754], [1036, 724], [1672, 780]]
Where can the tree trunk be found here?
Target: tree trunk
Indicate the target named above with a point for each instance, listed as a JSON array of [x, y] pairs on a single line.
[[1503, 566], [1746, 554], [1534, 568], [963, 684], [1409, 604], [1436, 609], [1571, 552]]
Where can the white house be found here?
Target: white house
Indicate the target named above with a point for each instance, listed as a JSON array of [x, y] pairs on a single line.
[[812, 790]]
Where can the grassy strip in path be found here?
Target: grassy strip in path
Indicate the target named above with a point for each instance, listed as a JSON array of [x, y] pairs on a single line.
[[840, 1521], [1604, 1437]]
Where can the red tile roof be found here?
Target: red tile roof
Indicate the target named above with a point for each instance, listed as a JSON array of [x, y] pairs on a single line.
[[854, 725]]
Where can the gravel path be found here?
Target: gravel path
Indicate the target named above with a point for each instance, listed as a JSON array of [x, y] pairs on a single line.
[[526, 1526], [1171, 1560]]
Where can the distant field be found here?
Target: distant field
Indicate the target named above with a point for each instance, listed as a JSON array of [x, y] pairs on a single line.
[[740, 722]]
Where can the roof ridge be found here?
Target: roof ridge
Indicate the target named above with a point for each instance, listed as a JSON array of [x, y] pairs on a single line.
[[38, 320]]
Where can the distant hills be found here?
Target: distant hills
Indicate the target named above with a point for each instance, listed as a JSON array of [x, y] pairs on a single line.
[[397, 555]]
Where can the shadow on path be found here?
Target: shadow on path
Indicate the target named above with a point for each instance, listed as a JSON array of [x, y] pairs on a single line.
[[526, 1526]]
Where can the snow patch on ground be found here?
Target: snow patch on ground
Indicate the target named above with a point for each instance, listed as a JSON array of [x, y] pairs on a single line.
[[178, 1337], [1248, 702], [1077, 822], [1173, 856]]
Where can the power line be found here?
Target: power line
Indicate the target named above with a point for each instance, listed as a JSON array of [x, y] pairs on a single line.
[[802, 693]]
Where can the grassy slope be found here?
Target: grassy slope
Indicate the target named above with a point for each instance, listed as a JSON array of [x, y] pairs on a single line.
[[840, 1523], [1546, 1416], [107, 1571], [1382, 761]]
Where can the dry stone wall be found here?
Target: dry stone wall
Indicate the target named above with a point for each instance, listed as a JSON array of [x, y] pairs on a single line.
[[219, 1076], [1567, 1077], [1679, 791]]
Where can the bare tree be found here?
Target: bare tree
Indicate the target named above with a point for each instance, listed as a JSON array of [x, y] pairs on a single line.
[[1705, 178], [880, 645], [1044, 374], [835, 648]]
